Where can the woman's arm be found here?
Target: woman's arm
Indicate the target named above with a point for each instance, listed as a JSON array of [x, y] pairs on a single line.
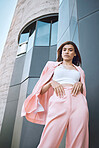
[[58, 88], [45, 87]]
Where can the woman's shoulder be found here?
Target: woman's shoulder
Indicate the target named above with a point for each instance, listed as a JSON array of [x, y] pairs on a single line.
[[52, 63], [81, 69]]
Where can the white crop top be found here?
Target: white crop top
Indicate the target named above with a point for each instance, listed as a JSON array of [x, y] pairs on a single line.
[[63, 75]]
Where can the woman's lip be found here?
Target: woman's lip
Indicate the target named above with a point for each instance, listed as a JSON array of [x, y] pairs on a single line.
[[66, 55]]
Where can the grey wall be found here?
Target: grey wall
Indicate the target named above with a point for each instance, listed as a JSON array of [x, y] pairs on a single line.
[[79, 22], [68, 26], [12, 103], [88, 21]]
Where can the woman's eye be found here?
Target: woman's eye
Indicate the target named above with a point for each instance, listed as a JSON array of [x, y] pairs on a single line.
[[66, 49]]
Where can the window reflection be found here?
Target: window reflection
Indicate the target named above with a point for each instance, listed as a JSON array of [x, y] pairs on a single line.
[[60, 1], [42, 34], [24, 37], [54, 33]]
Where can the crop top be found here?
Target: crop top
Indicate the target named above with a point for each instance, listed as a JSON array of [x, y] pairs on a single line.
[[63, 75]]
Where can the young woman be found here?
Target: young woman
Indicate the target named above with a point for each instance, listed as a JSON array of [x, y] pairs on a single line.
[[61, 101]]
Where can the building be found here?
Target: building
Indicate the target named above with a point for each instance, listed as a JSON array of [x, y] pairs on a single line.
[[37, 30]]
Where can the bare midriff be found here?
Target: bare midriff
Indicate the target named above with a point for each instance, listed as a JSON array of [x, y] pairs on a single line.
[[66, 84]]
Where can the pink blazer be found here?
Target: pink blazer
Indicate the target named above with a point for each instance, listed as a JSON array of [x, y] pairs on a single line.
[[35, 106]]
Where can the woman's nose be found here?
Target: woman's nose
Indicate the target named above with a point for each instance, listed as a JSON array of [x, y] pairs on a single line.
[[67, 51]]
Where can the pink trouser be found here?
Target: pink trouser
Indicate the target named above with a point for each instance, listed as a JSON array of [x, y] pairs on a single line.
[[69, 112]]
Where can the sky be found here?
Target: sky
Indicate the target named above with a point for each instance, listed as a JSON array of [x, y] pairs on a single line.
[[7, 8]]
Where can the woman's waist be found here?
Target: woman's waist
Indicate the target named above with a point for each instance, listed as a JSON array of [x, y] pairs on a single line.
[[67, 86]]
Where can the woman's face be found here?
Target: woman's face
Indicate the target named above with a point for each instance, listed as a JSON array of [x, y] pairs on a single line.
[[68, 52]]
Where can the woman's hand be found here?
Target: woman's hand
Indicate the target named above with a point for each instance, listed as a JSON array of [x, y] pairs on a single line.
[[76, 88], [58, 88]]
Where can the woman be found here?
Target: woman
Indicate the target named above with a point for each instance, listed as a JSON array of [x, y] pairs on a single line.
[[59, 99]]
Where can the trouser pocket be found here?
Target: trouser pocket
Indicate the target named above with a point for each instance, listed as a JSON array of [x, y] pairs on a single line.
[[84, 98]]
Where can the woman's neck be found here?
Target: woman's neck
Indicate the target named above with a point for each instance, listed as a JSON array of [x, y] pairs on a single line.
[[67, 63]]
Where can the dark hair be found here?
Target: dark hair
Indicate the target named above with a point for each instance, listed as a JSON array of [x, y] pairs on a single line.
[[76, 59]]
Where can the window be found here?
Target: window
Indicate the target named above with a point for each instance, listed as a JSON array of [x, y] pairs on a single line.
[[42, 34], [24, 37]]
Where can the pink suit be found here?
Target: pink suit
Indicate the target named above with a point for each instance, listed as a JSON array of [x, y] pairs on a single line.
[[57, 114]]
